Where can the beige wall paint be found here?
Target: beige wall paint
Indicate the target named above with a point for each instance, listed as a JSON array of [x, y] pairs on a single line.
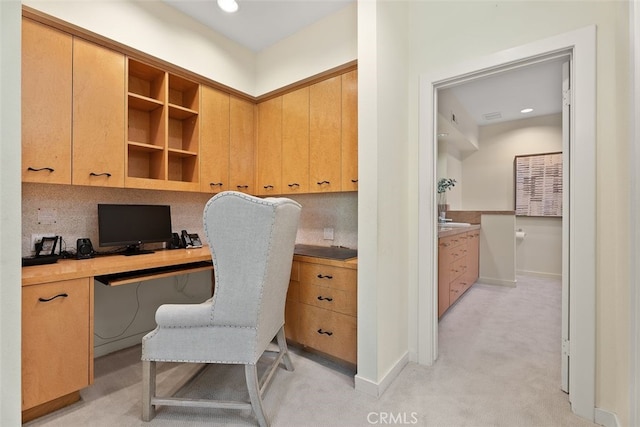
[[482, 28]]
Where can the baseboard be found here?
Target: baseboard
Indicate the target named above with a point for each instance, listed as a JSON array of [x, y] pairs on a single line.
[[539, 274], [606, 418], [499, 282], [377, 389]]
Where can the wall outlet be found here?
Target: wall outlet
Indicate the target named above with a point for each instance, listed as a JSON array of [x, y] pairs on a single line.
[[328, 233], [36, 238]]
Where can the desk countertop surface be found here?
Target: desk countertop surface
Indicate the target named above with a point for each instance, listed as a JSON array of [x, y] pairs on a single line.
[[67, 269]]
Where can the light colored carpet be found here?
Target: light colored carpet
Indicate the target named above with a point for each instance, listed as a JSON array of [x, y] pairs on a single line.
[[499, 365]]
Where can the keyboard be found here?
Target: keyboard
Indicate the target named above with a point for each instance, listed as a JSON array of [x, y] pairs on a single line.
[[39, 260]]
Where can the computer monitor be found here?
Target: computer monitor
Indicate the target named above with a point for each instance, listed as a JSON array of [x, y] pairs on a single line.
[[131, 226]]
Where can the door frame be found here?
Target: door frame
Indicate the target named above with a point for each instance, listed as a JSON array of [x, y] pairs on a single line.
[[581, 45]]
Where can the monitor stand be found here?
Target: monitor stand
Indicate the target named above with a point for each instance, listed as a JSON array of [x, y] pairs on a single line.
[[136, 250]]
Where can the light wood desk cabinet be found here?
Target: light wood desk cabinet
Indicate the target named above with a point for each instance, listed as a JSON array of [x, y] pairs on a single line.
[[241, 146], [214, 141], [321, 310], [269, 147], [57, 342], [46, 104]]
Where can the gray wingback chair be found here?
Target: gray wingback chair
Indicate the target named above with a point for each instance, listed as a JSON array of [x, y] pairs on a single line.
[[251, 241]]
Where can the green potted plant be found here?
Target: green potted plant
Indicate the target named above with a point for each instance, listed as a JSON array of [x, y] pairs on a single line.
[[444, 184]]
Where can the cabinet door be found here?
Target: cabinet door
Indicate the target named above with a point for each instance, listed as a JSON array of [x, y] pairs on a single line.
[[295, 141], [241, 146], [444, 262], [57, 344], [46, 104], [214, 143], [350, 131], [269, 147], [98, 115], [325, 100]]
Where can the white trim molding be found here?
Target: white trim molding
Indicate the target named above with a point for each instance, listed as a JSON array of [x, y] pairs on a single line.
[[606, 418], [580, 47], [376, 389]]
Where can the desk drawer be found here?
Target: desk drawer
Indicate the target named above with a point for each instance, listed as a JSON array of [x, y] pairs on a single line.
[[457, 268], [329, 332], [329, 298], [328, 276]]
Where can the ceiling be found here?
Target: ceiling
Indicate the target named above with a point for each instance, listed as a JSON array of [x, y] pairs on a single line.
[[536, 86], [259, 24]]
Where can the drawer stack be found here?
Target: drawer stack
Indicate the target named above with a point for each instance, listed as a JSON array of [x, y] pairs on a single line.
[[321, 310], [458, 261]]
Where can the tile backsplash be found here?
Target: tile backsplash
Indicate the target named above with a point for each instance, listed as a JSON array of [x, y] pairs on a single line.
[[71, 212]]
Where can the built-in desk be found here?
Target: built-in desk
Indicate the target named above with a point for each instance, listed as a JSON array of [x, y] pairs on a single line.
[[57, 319]]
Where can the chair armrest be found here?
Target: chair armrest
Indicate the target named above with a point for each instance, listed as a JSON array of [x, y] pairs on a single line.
[[184, 315]]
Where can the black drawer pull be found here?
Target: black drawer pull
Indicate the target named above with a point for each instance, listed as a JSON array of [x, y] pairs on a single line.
[[294, 184], [52, 298], [269, 186], [354, 180], [107, 174], [242, 186], [323, 182], [215, 184], [320, 276], [40, 169], [321, 298], [320, 331]]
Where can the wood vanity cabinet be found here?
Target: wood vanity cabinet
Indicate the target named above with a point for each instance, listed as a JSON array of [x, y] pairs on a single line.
[[46, 104], [458, 266], [98, 115], [57, 343], [269, 147], [214, 141], [241, 145], [321, 310]]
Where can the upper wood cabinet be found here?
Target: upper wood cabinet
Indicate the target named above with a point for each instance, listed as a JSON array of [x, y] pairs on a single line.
[[46, 104], [241, 145], [295, 142], [214, 141], [98, 115], [269, 147], [325, 135], [350, 131]]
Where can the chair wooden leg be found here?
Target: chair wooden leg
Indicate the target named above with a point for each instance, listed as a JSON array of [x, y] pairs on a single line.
[[253, 385], [284, 350], [148, 389]]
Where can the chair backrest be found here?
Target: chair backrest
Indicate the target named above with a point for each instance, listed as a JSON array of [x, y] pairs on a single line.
[[252, 242]]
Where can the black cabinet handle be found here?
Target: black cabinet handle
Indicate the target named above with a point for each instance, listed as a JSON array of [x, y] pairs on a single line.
[[323, 182], [354, 180], [321, 298], [215, 184], [320, 331], [320, 276], [40, 169], [53, 297], [268, 186], [294, 184], [107, 174], [242, 186]]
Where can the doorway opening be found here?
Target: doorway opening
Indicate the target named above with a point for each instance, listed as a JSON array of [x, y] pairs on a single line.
[[580, 208]]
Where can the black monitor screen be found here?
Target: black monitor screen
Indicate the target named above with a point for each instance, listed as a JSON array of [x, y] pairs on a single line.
[[132, 225]]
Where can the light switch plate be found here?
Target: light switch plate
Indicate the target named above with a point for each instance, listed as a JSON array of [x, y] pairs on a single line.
[[328, 233]]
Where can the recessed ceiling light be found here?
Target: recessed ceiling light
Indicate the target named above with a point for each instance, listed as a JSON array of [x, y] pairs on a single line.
[[228, 6], [442, 135], [526, 110]]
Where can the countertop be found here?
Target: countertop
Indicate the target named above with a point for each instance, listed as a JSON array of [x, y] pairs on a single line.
[[452, 231], [327, 255]]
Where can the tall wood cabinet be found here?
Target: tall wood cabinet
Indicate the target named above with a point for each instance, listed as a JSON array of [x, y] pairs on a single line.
[[269, 147], [241, 145], [57, 344], [46, 104], [98, 115], [214, 141], [295, 141], [350, 131]]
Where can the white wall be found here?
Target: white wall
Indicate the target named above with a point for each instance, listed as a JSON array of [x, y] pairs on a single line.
[[10, 289], [326, 44], [488, 184], [482, 28]]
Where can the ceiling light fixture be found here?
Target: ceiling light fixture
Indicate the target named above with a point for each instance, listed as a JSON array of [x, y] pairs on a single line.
[[228, 6], [526, 110]]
